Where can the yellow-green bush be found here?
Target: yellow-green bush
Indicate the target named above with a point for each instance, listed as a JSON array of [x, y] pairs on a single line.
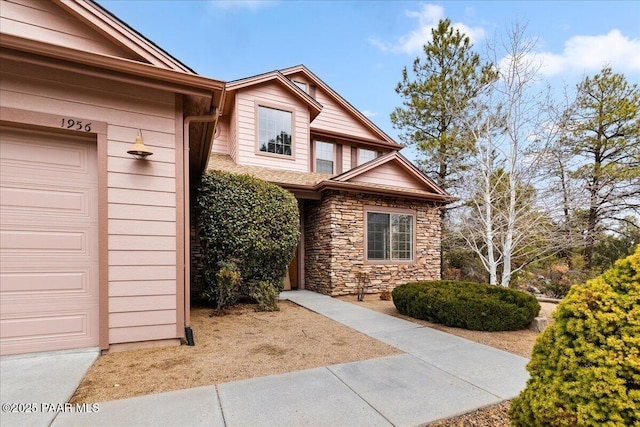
[[585, 368]]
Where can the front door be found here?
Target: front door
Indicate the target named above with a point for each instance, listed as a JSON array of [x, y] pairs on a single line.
[[293, 271]]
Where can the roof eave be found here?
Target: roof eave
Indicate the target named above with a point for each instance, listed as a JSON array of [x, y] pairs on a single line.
[[363, 188], [112, 63], [112, 27]]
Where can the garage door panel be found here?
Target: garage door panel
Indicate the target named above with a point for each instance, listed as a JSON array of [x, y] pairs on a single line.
[[19, 241], [39, 283], [47, 152], [49, 330], [50, 326], [41, 201], [49, 240]]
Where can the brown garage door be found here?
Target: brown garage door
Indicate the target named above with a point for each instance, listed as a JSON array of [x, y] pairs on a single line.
[[48, 242]]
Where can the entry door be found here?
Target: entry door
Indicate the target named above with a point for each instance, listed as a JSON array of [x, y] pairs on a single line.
[[48, 242], [293, 271]]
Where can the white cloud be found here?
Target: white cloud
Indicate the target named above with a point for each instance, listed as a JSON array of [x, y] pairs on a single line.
[[369, 113], [586, 54], [428, 17], [252, 5]]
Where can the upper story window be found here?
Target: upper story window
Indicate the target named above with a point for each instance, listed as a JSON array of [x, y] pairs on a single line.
[[301, 85], [274, 131], [390, 236], [325, 157], [365, 155]]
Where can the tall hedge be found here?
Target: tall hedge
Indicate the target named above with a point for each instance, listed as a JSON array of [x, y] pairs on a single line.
[[585, 368], [249, 222]]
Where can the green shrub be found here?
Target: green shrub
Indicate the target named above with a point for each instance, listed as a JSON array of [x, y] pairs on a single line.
[[250, 221], [227, 285], [266, 295], [585, 368], [466, 305]]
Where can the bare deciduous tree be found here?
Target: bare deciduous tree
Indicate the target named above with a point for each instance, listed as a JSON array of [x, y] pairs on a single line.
[[513, 126]]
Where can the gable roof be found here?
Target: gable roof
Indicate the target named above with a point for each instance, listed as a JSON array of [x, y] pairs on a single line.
[[275, 76], [120, 33], [281, 77], [21, 31], [311, 184], [364, 120], [398, 160], [81, 36]]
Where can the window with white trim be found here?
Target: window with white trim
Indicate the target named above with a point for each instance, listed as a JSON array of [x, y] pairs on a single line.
[[365, 155], [389, 236], [274, 131], [325, 157]]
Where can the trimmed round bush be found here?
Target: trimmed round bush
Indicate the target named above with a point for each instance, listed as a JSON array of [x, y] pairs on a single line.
[[251, 223], [466, 305], [585, 368]]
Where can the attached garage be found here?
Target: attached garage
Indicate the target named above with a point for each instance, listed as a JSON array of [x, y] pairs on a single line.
[[48, 241], [93, 239]]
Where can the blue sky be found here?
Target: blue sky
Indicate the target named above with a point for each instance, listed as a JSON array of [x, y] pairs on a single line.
[[360, 47]]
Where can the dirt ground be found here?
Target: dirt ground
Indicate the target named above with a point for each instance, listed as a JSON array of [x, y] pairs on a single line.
[[242, 344], [245, 344]]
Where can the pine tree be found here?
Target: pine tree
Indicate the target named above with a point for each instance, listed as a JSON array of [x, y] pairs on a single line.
[[442, 85], [604, 134]]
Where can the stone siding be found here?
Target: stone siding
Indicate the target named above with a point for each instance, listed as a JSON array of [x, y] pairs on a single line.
[[334, 244]]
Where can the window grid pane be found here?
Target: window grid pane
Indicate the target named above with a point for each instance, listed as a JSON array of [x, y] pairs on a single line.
[[324, 157], [274, 131], [389, 237], [324, 166], [365, 155], [377, 236], [402, 236]]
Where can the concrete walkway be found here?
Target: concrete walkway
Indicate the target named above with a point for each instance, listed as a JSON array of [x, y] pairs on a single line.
[[439, 376]]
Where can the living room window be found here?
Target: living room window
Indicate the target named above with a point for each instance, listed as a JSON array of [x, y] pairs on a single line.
[[365, 155], [325, 157], [274, 131], [390, 236]]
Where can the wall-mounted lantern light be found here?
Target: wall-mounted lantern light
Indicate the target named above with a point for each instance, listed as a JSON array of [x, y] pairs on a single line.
[[138, 149]]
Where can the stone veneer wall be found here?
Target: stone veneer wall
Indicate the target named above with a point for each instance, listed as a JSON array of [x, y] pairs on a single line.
[[334, 244]]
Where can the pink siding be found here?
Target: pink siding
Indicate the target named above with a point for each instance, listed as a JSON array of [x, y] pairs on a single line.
[[141, 194], [335, 118], [389, 174], [272, 95], [46, 22], [346, 157], [233, 135], [221, 142]]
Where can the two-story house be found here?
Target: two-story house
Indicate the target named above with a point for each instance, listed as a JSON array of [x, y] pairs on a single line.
[[96, 241], [364, 208]]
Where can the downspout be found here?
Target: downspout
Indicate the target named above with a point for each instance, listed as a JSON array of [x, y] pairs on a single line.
[[213, 117]]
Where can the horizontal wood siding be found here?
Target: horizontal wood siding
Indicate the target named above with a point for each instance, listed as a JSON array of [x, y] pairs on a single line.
[[46, 22], [346, 158], [141, 194], [389, 174], [221, 141], [275, 96], [334, 118], [233, 135]]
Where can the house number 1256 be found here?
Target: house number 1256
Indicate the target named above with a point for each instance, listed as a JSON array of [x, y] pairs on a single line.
[[76, 125]]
